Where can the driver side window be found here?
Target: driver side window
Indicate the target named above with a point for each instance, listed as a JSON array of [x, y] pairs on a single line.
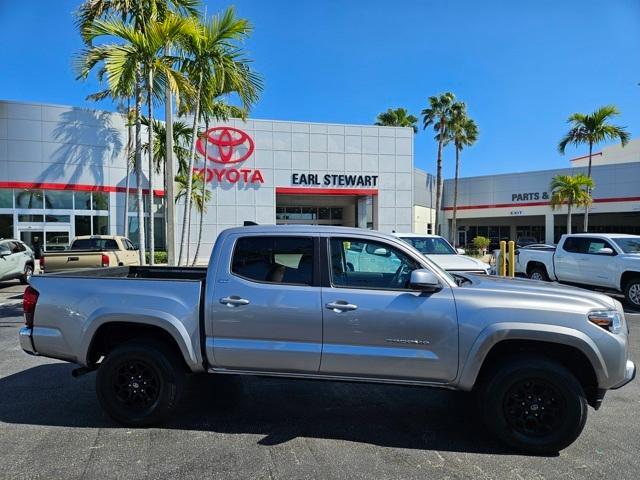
[[365, 264]]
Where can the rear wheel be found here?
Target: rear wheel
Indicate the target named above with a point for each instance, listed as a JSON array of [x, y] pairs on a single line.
[[26, 275], [632, 292], [139, 384], [534, 405], [538, 273]]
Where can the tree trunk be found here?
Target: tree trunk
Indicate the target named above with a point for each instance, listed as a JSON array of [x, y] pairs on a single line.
[[141, 236], [192, 155], [439, 175], [569, 216], [204, 194], [169, 174], [128, 160], [152, 243], [454, 225], [586, 207]]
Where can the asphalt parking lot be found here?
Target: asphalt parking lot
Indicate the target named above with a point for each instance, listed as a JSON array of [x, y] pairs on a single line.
[[52, 427]]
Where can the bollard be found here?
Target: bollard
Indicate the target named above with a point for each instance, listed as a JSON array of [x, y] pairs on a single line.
[[512, 258], [503, 258]]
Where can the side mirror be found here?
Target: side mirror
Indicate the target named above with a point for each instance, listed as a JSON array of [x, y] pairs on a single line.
[[424, 280], [606, 251], [461, 251], [4, 253]]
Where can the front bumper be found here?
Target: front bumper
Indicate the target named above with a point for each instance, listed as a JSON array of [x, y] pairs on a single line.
[[629, 374], [26, 340]]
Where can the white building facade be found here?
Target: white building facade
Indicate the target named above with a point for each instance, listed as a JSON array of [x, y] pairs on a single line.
[[63, 173]]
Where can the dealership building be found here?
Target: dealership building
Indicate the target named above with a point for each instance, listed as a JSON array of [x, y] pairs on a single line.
[[63, 173]]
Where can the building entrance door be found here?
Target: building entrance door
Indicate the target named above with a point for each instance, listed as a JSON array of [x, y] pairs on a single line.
[[48, 238], [462, 238]]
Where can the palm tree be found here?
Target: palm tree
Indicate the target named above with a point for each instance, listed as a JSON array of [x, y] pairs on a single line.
[[139, 15], [181, 139], [591, 129], [574, 191], [200, 197], [398, 117], [139, 54], [462, 131], [210, 52], [438, 114]]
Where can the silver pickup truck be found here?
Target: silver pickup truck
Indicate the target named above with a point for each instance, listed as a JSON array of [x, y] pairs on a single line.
[[335, 304]]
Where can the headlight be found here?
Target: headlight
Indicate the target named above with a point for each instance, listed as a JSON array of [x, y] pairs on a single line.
[[608, 319]]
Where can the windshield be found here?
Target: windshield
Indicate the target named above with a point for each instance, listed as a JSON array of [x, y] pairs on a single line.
[[628, 244], [431, 245]]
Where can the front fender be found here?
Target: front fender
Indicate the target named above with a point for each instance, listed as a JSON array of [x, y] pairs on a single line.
[[186, 341], [498, 332]]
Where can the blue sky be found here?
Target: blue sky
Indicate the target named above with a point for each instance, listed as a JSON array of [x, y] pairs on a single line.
[[521, 66]]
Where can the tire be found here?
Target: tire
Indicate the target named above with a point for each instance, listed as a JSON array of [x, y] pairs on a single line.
[[632, 292], [539, 273], [140, 383], [26, 275], [554, 411]]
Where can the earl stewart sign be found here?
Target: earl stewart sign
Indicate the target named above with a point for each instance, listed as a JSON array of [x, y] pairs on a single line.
[[227, 146], [334, 180]]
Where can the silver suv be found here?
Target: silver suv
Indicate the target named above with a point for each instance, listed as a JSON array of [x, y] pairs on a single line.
[[16, 260]]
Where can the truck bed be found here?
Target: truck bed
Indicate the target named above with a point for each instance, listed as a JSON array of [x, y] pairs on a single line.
[[142, 272]]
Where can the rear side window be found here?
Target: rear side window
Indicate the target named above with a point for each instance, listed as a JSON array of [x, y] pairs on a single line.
[[274, 259], [576, 245], [94, 244]]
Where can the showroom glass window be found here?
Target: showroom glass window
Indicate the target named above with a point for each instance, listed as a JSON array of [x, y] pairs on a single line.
[[29, 199], [59, 199], [285, 260]]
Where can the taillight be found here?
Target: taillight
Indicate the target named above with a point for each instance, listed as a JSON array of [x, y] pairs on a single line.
[[29, 300], [105, 260], [42, 263]]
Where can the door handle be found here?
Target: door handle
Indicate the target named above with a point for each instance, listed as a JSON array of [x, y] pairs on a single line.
[[341, 306], [234, 301]]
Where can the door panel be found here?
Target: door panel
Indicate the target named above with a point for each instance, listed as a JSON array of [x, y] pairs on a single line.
[[567, 259], [387, 331], [598, 269], [259, 322]]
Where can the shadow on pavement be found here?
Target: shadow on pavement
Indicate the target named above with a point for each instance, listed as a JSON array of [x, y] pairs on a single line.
[[8, 310], [277, 409]]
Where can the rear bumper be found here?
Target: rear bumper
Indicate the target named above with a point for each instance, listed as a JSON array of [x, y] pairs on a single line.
[[26, 340], [629, 374]]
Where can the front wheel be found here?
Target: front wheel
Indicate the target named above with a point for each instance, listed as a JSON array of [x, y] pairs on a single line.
[[139, 384], [534, 405], [632, 292]]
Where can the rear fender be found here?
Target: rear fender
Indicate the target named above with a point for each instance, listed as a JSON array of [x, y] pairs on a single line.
[[187, 341]]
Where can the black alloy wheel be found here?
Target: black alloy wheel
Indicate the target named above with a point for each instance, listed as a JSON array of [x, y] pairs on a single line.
[[140, 382]]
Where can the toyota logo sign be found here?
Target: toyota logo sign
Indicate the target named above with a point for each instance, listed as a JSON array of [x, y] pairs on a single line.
[[227, 145], [224, 142]]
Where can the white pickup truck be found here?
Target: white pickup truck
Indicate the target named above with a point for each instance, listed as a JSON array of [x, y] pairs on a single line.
[[608, 261]]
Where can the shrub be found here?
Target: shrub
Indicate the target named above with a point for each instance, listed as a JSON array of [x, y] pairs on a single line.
[[159, 256], [481, 243]]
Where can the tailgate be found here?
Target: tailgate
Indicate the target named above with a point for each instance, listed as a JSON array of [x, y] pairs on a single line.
[[69, 260]]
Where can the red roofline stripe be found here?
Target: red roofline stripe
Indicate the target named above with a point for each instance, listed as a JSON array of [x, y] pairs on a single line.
[[76, 187], [326, 191], [538, 204]]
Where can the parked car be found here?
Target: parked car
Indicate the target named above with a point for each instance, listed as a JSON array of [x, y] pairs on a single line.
[[16, 260], [438, 250], [283, 301], [91, 252], [607, 261]]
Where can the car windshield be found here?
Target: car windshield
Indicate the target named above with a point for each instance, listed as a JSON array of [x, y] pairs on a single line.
[[430, 245], [628, 244]]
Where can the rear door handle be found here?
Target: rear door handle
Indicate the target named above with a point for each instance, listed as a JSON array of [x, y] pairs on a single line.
[[234, 301], [341, 306]]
